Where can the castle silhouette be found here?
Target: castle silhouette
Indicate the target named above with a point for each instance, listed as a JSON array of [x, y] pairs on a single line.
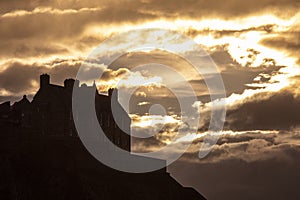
[[42, 157], [50, 113]]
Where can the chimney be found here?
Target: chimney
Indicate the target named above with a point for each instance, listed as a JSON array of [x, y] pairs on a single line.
[[44, 80]]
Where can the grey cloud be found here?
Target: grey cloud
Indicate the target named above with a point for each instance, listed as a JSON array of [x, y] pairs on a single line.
[[17, 77], [280, 111], [263, 111], [236, 179], [235, 78], [246, 166]]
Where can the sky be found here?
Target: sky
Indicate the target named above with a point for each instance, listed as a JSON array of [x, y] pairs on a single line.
[[255, 46]]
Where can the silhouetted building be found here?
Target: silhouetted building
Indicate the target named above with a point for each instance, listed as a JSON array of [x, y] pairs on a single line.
[[47, 167], [50, 112], [5, 116]]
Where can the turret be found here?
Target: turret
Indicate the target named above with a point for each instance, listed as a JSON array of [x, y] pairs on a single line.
[[69, 83], [44, 80], [113, 93]]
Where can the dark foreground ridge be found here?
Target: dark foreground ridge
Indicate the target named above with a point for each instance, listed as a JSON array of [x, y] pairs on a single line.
[[49, 167]]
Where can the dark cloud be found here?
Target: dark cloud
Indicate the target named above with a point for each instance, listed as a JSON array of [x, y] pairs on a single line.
[[236, 78], [18, 78], [152, 137], [281, 111], [46, 31], [140, 145], [172, 60], [246, 166], [237, 179], [25, 49], [268, 28], [287, 41], [60, 25], [161, 96]]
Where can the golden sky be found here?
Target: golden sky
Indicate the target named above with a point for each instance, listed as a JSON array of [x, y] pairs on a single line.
[[255, 45]]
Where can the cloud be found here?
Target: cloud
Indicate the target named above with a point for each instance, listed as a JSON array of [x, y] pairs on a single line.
[[240, 164], [257, 111], [217, 33], [22, 31], [65, 22], [153, 131], [281, 111], [61, 24], [233, 8], [144, 102], [287, 41], [237, 79], [236, 179], [201, 8], [125, 79], [20, 78], [244, 166], [109, 74]]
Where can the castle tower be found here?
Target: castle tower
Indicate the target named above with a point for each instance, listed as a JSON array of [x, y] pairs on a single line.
[[113, 94], [69, 83], [44, 80]]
